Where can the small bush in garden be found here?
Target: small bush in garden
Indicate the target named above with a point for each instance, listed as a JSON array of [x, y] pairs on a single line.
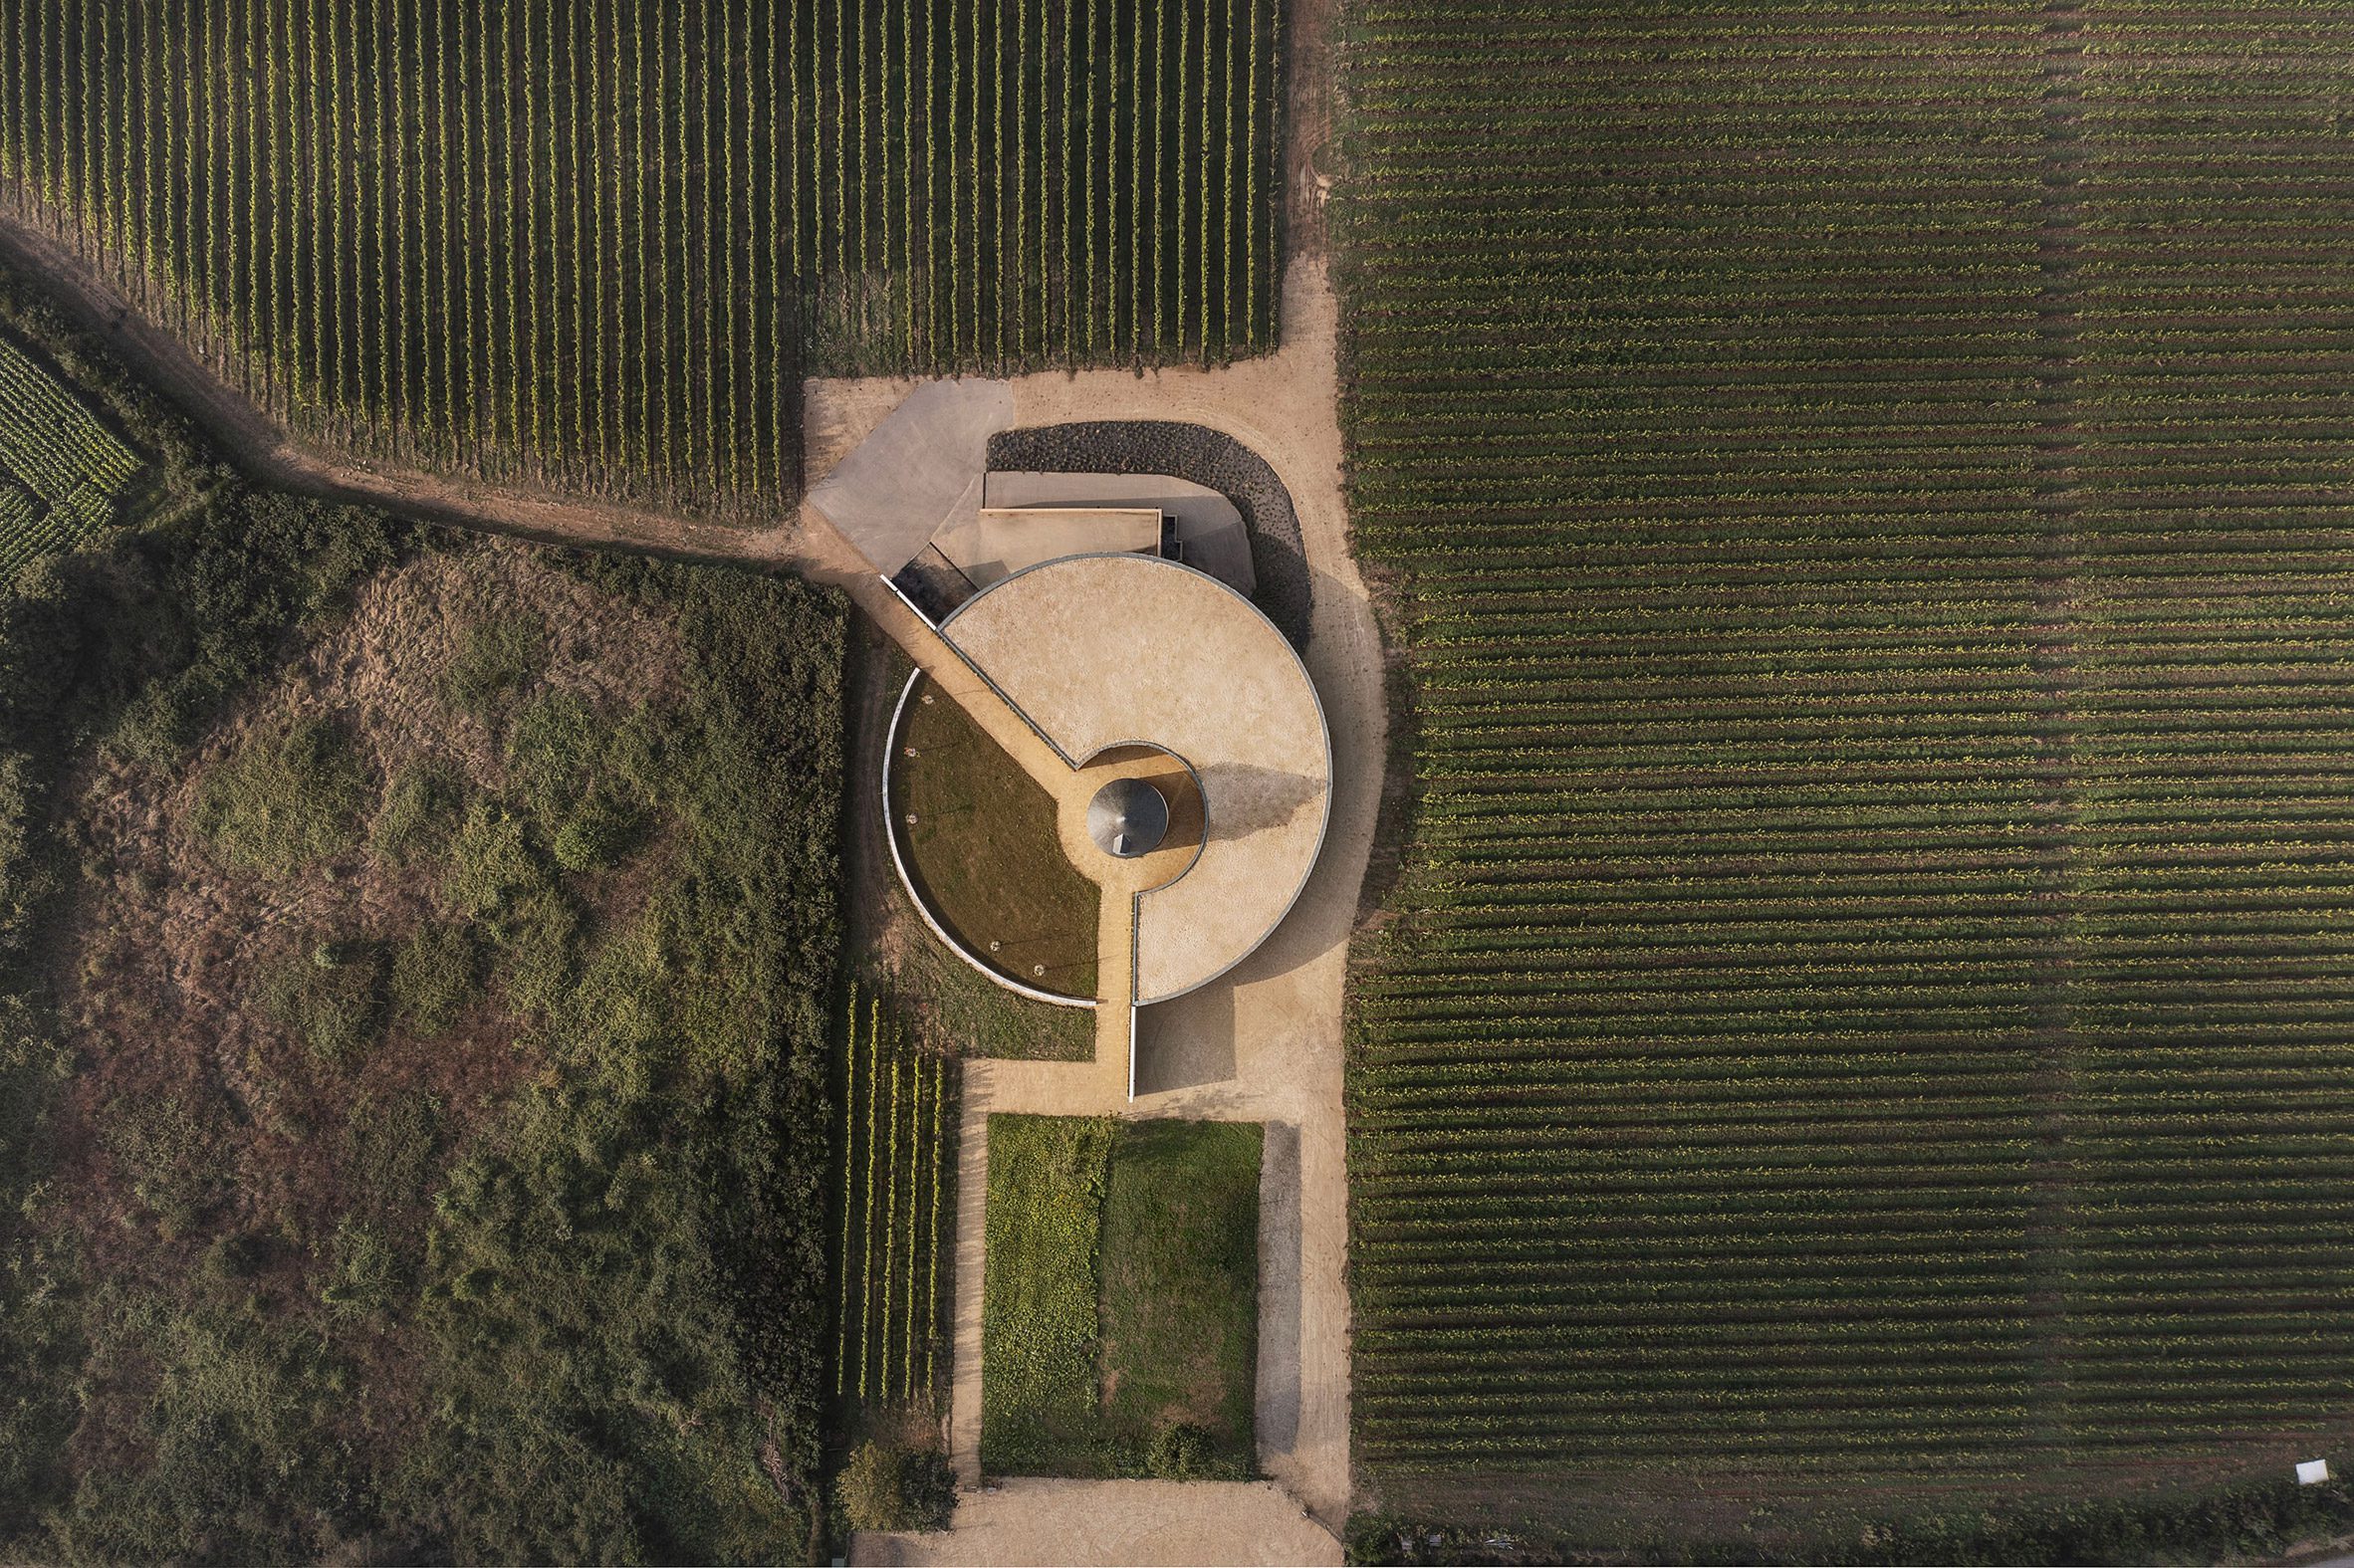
[[1180, 1451], [884, 1488]]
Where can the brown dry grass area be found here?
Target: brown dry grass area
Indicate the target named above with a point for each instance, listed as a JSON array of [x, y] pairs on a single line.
[[160, 964]]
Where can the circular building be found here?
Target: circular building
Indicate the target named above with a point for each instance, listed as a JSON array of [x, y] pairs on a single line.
[[1203, 675]]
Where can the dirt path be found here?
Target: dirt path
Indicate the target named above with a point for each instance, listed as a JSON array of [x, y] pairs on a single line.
[[1132, 1521], [269, 455], [1308, 114]]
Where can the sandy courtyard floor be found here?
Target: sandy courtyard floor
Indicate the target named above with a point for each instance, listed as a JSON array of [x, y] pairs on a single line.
[[1132, 1521]]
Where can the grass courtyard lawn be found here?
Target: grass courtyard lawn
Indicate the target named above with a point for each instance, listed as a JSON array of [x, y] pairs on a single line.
[[1179, 1293], [1046, 1178], [985, 852], [1121, 1299]]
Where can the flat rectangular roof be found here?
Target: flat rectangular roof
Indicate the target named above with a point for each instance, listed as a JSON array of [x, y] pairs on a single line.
[[1005, 539]]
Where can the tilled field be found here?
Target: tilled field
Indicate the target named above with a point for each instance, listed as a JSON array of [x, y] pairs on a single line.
[[596, 246], [1866, 496]]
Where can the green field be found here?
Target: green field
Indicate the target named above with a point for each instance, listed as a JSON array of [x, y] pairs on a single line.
[[63, 473], [597, 245], [1120, 1328], [1866, 493], [502, 1237]]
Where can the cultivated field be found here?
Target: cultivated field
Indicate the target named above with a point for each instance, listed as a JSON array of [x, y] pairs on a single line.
[[1867, 495], [598, 245], [60, 470], [1120, 1318], [896, 1184]]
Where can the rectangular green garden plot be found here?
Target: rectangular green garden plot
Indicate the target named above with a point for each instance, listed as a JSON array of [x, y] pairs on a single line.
[[1119, 1332]]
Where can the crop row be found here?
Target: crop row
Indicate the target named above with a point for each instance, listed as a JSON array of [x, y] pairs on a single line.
[[61, 469], [896, 1140], [599, 244], [1865, 493]]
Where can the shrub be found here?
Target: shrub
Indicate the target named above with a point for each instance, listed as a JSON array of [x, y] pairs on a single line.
[[1180, 1451], [165, 1142], [491, 862], [420, 812], [362, 1271], [885, 1488], [286, 799], [495, 657], [392, 1147], [597, 834], [435, 973]]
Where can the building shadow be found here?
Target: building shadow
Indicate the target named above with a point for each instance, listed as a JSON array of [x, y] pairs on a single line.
[[1246, 799], [1188, 1042], [1279, 1290]]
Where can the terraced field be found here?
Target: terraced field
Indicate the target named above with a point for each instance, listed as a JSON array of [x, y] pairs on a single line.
[[1866, 490], [61, 471], [597, 245]]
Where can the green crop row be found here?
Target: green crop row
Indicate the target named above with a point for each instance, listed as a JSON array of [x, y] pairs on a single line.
[[896, 1139], [61, 469], [1865, 495], [598, 244]]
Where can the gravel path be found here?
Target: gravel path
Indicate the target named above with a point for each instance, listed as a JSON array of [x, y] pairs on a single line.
[[1133, 1521]]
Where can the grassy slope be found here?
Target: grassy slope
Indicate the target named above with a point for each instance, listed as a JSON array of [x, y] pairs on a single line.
[[505, 1175]]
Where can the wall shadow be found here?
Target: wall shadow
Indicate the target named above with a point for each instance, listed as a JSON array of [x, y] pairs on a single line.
[[1187, 1041]]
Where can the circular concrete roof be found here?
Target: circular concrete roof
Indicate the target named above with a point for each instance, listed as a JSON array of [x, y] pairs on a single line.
[[1127, 819], [1204, 675]]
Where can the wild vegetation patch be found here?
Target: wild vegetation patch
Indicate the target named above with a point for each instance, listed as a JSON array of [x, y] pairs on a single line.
[[418, 1085]]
